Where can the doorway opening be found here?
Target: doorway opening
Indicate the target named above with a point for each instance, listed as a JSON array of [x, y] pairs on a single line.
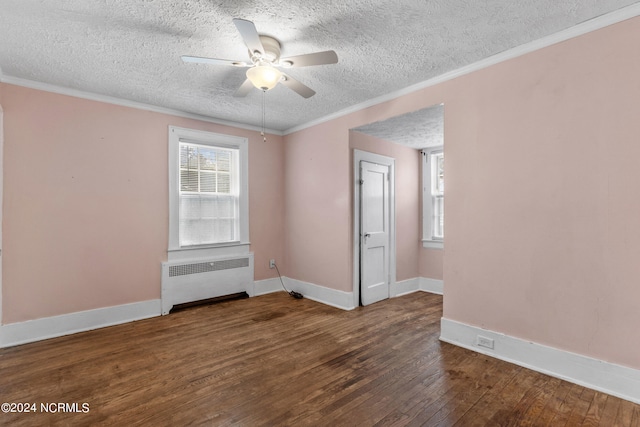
[[421, 130]]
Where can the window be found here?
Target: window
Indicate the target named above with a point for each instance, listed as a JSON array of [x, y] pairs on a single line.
[[208, 203], [433, 197], [208, 195]]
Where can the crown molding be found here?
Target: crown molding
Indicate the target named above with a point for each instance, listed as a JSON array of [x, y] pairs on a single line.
[[46, 87], [575, 31]]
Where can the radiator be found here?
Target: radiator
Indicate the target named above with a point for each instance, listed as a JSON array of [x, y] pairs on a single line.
[[194, 280]]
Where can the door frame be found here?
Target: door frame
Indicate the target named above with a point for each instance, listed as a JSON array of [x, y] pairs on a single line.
[[359, 155]]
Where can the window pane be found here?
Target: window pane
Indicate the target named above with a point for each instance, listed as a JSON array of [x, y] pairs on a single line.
[[207, 158], [188, 157], [207, 182], [197, 231], [208, 211], [224, 183], [437, 173], [226, 207], [184, 156], [207, 219], [224, 161], [188, 180], [440, 173], [205, 231], [208, 208], [438, 217], [436, 178], [225, 230], [192, 157], [190, 207]]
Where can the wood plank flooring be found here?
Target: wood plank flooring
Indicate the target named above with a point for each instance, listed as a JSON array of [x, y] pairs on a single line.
[[274, 361]]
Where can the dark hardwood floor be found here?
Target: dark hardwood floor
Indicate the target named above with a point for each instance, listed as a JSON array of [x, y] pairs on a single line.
[[274, 360]]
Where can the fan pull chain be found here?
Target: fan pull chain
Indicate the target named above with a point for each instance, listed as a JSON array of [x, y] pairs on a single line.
[[264, 138]]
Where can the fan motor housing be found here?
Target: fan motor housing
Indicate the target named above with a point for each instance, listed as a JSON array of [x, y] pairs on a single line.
[[271, 48]]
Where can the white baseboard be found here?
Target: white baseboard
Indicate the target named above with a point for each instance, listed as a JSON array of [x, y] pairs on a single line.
[[267, 286], [56, 326], [404, 287], [328, 296], [606, 377], [65, 324], [344, 300], [408, 286], [433, 286]]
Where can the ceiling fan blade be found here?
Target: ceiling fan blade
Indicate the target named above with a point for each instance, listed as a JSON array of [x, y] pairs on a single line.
[[214, 61], [244, 89], [318, 58], [249, 34], [297, 87]]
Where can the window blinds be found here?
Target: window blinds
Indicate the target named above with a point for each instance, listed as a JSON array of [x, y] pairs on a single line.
[[209, 198]]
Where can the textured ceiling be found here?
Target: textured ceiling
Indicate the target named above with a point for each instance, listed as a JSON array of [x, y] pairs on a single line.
[[418, 129], [131, 49]]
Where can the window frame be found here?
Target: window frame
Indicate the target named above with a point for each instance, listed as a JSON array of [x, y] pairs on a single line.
[[428, 181], [192, 136]]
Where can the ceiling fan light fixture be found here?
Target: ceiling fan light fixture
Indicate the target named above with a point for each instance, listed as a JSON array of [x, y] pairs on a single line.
[[264, 54], [264, 77]]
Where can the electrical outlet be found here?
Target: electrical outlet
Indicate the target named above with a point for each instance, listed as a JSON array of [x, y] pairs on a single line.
[[272, 263], [485, 342]]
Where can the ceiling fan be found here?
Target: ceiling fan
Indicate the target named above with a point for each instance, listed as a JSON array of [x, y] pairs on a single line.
[[264, 54]]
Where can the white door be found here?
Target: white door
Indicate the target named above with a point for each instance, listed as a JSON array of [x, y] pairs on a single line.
[[374, 232]]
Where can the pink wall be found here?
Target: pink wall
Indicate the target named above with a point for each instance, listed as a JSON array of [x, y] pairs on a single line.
[[542, 210], [266, 202], [317, 215], [407, 189], [319, 195], [431, 263], [319, 200], [543, 195], [86, 202]]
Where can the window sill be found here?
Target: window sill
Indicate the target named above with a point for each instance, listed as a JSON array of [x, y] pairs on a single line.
[[433, 244], [208, 251]]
